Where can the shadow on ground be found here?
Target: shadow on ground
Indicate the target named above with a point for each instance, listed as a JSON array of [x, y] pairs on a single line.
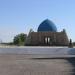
[[72, 62]]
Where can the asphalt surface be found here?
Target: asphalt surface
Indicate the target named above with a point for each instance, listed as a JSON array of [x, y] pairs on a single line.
[[40, 52]]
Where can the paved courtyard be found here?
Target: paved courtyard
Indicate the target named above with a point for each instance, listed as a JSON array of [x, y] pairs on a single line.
[[24, 65], [16, 62]]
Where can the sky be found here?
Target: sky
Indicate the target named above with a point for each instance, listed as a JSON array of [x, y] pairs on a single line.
[[19, 16]]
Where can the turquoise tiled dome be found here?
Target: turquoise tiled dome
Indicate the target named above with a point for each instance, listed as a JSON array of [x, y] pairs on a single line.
[[47, 25]]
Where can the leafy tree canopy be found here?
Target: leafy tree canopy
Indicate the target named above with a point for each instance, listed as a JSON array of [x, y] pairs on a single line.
[[20, 39]]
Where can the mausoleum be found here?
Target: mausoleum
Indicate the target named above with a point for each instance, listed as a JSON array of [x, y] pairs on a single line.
[[47, 35]]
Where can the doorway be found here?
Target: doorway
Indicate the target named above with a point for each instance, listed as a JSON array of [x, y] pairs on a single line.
[[47, 40]]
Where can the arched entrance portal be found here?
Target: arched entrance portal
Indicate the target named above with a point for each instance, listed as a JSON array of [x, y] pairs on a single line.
[[47, 41]]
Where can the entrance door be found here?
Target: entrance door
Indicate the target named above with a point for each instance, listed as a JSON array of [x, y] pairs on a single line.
[[47, 40]]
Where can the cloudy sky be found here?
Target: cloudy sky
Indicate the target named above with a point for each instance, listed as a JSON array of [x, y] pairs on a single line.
[[18, 16]]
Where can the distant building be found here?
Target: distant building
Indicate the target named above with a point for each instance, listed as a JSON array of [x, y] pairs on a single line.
[[47, 35]]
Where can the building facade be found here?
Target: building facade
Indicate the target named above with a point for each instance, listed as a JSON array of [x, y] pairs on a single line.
[[47, 35]]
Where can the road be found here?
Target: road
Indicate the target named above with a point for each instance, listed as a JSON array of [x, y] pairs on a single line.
[[40, 52]]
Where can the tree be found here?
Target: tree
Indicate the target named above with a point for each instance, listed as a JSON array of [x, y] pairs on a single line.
[[20, 39]]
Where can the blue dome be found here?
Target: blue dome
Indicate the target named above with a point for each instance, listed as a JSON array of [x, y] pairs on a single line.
[[47, 25]]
